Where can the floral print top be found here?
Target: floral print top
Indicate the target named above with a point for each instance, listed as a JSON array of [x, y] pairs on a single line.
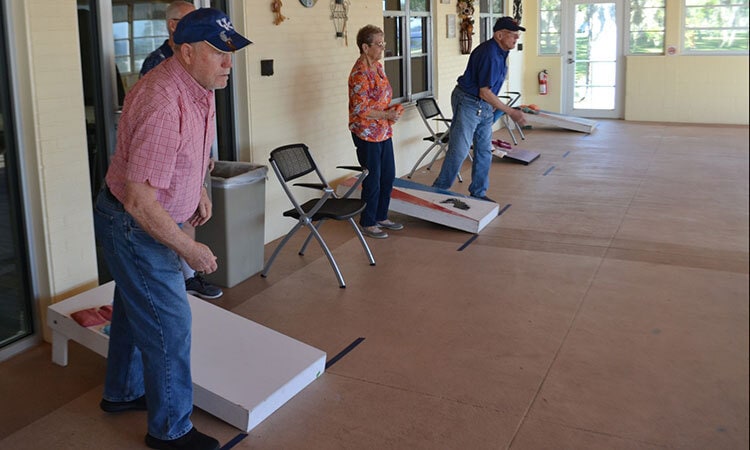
[[369, 90]]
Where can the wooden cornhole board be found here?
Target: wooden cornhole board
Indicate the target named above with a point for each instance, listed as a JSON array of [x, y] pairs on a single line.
[[518, 155], [562, 121], [427, 203], [242, 371]]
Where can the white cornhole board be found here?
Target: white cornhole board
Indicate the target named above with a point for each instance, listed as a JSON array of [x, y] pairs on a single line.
[[242, 371], [562, 121], [424, 202]]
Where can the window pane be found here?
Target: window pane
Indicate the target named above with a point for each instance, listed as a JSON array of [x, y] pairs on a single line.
[[394, 69], [713, 40], [711, 26], [497, 7], [122, 48], [419, 5], [549, 22], [647, 42], [417, 41], [120, 30], [394, 5], [549, 44], [119, 13], [150, 11], [419, 75], [144, 46], [548, 5], [123, 64], [393, 37], [484, 6], [142, 28]]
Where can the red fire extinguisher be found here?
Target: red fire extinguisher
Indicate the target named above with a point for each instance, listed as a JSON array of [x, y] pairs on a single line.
[[543, 82]]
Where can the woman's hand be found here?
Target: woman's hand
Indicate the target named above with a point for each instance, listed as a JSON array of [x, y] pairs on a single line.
[[394, 112]]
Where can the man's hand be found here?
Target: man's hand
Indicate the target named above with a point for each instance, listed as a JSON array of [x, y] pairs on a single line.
[[203, 212], [518, 116], [200, 258]]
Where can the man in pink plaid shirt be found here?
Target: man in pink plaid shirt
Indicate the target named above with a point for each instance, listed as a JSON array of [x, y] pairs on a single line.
[[153, 186]]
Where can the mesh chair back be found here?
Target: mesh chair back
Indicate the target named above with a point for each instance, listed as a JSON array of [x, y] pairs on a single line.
[[293, 161], [428, 107]]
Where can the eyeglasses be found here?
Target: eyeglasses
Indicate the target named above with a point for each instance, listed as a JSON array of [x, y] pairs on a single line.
[[379, 44]]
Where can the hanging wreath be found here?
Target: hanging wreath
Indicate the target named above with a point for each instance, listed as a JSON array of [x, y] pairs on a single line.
[[466, 14]]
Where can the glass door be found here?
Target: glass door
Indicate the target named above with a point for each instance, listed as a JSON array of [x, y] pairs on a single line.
[[16, 318], [593, 60]]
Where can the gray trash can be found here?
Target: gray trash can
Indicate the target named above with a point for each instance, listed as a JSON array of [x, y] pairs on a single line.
[[236, 230]]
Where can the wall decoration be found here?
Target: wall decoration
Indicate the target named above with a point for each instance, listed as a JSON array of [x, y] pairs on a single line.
[[517, 10], [277, 16], [308, 3], [339, 16], [466, 14], [450, 26]]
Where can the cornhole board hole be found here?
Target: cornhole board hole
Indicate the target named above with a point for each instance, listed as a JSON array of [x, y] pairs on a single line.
[[560, 120], [242, 371], [436, 205], [518, 155]]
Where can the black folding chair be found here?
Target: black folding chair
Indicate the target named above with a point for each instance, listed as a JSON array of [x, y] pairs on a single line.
[[429, 111], [294, 161]]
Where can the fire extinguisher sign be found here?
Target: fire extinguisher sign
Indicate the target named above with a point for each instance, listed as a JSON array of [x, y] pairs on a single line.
[[543, 82]]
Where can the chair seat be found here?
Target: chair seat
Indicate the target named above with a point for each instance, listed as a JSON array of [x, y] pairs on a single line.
[[334, 208], [442, 136]]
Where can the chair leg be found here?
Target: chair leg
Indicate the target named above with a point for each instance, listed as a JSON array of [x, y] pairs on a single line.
[[362, 241], [329, 255], [309, 237], [416, 165], [281, 245], [509, 125]]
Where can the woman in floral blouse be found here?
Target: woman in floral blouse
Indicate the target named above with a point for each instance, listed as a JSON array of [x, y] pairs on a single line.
[[370, 121]]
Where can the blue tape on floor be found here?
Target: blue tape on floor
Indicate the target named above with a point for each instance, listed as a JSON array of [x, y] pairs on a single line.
[[466, 244], [343, 352], [234, 441], [566, 153], [548, 170]]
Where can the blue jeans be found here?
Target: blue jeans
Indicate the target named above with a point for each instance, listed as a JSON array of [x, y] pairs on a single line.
[[377, 157], [149, 343], [471, 124]]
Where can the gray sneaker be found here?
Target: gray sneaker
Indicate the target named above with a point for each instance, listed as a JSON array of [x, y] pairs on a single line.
[[374, 232], [198, 286], [390, 225]]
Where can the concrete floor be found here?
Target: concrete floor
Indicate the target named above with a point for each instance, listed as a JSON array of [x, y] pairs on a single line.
[[606, 308]]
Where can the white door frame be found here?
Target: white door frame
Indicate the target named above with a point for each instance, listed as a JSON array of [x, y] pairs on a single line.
[[568, 72]]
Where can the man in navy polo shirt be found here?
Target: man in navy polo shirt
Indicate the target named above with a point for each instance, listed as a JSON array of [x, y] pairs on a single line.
[[474, 101]]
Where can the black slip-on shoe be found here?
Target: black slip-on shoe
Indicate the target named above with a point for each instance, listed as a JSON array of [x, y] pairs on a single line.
[[192, 440], [138, 404]]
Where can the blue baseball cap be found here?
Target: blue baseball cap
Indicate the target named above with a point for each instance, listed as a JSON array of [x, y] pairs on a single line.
[[212, 26], [507, 23]]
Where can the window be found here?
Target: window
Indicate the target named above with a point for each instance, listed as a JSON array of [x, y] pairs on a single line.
[[716, 26], [646, 33], [138, 28], [550, 22], [489, 12], [407, 25]]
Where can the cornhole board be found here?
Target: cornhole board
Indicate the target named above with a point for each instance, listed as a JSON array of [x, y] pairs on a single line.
[[242, 371], [524, 157], [562, 121], [425, 202]]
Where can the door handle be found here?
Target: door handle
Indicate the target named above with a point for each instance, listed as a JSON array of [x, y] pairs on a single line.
[[571, 60]]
